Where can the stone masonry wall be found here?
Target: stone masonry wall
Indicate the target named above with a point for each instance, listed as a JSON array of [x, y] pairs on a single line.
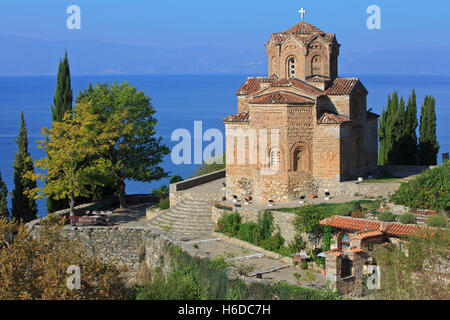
[[128, 246]]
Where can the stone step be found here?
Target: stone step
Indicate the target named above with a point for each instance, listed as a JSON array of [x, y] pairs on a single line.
[[191, 210], [183, 226], [187, 230], [196, 220], [186, 216]]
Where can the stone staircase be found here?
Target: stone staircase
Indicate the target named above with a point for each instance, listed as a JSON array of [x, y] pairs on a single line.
[[187, 218]]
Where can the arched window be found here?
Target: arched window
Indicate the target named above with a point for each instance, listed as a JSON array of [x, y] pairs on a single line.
[[300, 157], [275, 159], [344, 241], [316, 66], [292, 67]]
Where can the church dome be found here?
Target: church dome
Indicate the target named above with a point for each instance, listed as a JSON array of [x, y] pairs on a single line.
[[303, 28]]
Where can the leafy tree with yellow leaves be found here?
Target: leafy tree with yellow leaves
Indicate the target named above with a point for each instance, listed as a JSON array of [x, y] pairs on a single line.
[[36, 267], [74, 161]]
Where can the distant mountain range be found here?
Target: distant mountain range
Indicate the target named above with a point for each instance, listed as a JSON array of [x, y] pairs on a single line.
[[30, 56]]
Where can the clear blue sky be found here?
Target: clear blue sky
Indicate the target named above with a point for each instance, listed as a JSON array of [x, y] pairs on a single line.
[[232, 23]]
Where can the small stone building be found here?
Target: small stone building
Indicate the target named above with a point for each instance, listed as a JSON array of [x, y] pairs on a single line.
[[349, 259], [301, 128]]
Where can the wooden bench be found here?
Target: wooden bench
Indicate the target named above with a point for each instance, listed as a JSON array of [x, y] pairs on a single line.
[[89, 220]]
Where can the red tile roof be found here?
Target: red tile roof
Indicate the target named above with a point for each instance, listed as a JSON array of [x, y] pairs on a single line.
[[368, 234], [349, 223], [342, 86], [281, 97], [397, 229], [336, 252], [303, 28], [304, 32], [331, 118], [356, 224], [253, 85], [297, 83], [239, 117]]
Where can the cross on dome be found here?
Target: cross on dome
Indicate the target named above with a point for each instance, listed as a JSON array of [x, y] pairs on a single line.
[[302, 13]]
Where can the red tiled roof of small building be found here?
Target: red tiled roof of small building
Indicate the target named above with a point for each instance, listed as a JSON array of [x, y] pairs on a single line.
[[239, 117], [357, 224], [342, 86], [336, 252], [347, 223], [368, 234], [280, 97], [397, 229], [331, 118]]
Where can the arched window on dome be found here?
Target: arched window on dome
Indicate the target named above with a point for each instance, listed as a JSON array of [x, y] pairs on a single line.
[[316, 66]]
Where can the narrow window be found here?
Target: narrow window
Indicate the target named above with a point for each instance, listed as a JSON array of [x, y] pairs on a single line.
[[292, 70]]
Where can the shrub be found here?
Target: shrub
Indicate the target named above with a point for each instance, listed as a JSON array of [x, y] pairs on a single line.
[[358, 214], [437, 221], [205, 168], [304, 265], [34, 267], [307, 219], [429, 190], [273, 243], [408, 218], [247, 232], [386, 216], [161, 192], [175, 178], [164, 204], [230, 223], [264, 226]]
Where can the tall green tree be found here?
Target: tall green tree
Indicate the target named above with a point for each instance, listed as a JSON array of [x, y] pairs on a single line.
[[137, 153], [4, 212], [410, 147], [63, 98], [428, 144], [382, 134], [23, 206], [74, 163], [397, 131], [62, 102]]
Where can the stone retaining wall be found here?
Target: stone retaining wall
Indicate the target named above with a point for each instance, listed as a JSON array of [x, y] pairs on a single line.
[[175, 188], [128, 246], [282, 220]]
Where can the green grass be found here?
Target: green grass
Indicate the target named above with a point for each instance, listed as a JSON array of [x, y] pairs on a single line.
[[343, 209], [386, 178]]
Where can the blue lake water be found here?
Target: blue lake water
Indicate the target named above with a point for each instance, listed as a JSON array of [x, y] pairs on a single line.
[[179, 101]]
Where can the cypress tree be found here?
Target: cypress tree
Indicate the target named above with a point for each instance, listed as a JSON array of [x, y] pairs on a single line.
[[63, 98], [62, 102], [428, 144], [4, 212], [23, 207], [410, 147], [382, 134]]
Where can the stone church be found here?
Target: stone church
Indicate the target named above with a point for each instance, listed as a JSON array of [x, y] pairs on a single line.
[[325, 134]]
